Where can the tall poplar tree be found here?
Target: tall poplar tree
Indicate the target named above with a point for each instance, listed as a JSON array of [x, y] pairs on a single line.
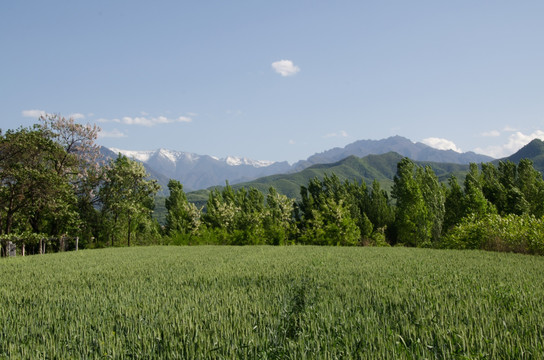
[[182, 217], [412, 217], [127, 198]]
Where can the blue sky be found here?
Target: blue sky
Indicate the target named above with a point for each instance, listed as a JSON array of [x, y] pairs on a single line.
[[278, 80]]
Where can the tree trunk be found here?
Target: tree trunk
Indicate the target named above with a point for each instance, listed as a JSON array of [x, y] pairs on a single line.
[[9, 221], [114, 228], [129, 223]]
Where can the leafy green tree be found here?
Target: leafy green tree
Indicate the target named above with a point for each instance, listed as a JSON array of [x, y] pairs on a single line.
[[31, 186], [80, 164], [516, 201], [454, 204], [490, 184], [434, 197], [249, 222], [331, 224], [531, 184], [380, 212], [182, 217], [236, 217], [278, 222], [127, 198], [317, 197], [475, 201], [412, 218]]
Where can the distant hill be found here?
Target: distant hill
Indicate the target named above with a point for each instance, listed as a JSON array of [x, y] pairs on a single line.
[[534, 151], [199, 171], [380, 167], [401, 145]]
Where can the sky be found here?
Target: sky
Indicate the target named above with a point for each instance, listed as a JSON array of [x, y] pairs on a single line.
[[278, 80]]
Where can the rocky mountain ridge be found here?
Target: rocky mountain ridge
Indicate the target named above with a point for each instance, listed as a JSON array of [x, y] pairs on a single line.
[[196, 171]]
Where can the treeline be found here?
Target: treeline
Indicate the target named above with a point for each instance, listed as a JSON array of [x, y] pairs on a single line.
[[55, 186], [497, 208]]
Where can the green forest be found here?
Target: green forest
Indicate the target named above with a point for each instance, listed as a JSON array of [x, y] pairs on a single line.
[[57, 191]]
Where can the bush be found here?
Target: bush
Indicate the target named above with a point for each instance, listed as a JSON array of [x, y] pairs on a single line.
[[511, 233]]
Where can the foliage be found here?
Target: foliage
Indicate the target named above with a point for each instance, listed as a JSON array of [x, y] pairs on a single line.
[[413, 220], [279, 225], [182, 217], [511, 233], [33, 194], [262, 302], [127, 200], [241, 217]]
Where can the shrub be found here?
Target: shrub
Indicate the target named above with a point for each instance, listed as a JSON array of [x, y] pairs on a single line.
[[510, 233]]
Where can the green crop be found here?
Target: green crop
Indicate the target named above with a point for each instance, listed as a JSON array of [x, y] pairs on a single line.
[[296, 302]]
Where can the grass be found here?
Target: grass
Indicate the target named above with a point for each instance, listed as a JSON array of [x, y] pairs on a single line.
[[272, 303]]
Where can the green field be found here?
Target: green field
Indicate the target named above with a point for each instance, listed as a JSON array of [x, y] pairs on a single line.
[[272, 303]]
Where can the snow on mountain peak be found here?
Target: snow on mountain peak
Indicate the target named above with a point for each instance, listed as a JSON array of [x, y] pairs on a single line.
[[142, 156], [237, 161], [169, 154], [175, 156]]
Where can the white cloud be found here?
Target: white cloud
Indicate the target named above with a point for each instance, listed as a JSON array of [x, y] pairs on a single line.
[[127, 120], [441, 144], [76, 116], [148, 121], [38, 113], [492, 133], [285, 67], [516, 141], [184, 119], [292, 142], [111, 134], [341, 133], [33, 113], [509, 129]]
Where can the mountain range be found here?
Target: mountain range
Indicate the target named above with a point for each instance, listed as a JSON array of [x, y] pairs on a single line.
[[381, 167], [197, 172], [401, 145]]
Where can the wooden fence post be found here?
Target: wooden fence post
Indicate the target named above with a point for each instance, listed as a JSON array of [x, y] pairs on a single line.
[[77, 243], [41, 246]]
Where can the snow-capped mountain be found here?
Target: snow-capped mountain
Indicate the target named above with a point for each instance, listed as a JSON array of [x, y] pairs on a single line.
[[200, 171], [197, 172]]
